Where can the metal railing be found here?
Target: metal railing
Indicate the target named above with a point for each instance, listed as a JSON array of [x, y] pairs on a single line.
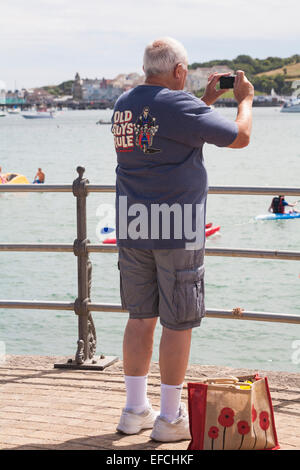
[[83, 306]]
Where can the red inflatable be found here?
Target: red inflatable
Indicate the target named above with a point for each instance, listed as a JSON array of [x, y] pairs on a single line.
[[209, 230]]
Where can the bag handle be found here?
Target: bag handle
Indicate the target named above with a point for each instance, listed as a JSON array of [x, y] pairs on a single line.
[[229, 382], [221, 380]]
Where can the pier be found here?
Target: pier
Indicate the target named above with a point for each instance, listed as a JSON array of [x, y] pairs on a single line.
[[68, 403], [57, 409]]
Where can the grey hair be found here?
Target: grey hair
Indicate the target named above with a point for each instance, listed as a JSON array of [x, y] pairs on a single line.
[[162, 55]]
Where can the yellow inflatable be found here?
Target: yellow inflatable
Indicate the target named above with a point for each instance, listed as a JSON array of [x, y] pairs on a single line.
[[13, 178]]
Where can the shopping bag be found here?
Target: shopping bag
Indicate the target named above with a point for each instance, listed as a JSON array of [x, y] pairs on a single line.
[[231, 414]]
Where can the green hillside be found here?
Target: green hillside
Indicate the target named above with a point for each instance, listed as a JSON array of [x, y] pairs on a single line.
[[290, 72], [265, 74], [64, 88]]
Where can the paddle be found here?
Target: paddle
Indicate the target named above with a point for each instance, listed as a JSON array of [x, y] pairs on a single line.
[[295, 203]]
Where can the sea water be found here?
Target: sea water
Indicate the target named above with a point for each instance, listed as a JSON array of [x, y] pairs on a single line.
[[73, 138]]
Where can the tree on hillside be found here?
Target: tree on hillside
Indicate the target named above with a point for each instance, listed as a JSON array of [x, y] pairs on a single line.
[[244, 59], [265, 83]]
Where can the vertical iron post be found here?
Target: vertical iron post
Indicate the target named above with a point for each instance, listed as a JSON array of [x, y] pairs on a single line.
[[86, 345], [86, 342]]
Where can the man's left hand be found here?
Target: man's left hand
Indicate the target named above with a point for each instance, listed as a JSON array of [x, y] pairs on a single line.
[[211, 94]]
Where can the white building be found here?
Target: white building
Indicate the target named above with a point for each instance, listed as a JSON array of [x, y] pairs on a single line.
[[95, 90], [197, 79], [125, 82]]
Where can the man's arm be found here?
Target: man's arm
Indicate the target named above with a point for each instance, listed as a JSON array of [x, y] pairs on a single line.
[[244, 93]]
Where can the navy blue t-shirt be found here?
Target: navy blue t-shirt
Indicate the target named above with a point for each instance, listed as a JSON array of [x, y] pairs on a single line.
[[161, 181]]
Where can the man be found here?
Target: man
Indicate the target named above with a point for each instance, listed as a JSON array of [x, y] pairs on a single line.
[[279, 203], [39, 177], [160, 207]]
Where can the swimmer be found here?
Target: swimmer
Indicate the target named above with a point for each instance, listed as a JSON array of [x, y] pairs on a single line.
[[39, 177]]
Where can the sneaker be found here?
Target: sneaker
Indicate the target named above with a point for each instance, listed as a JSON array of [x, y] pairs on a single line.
[[132, 423], [177, 430]]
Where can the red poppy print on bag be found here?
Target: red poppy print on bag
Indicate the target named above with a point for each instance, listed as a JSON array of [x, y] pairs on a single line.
[[226, 419], [213, 433]]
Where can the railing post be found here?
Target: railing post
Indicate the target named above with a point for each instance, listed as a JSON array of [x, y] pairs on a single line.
[[86, 330], [86, 345]]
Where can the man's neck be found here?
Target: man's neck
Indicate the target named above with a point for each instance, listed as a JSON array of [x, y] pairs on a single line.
[[158, 81], [155, 84]]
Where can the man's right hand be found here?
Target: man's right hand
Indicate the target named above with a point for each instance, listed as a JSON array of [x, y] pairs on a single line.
[[243, 89], [244, 92]]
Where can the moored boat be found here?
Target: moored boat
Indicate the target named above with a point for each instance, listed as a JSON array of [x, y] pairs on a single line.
[[101, 121], [291, 106], [14, 111], [39, 115]]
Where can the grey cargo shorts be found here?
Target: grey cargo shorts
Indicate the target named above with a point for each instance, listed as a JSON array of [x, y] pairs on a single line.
[[164, 283]]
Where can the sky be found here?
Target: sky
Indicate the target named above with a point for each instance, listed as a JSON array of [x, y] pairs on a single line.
[[45, 42]]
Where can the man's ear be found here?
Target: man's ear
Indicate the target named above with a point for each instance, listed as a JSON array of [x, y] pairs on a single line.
[[176, 71]]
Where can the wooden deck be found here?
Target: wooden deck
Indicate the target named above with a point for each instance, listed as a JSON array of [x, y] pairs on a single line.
[[46, 408]]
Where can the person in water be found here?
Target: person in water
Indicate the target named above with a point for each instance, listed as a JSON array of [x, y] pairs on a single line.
[[2, 177], [39, 177], [278, 205]]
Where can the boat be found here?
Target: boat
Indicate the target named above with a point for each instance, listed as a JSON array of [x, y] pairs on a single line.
[[110, 241], [103, 122], [14, 111], [39, 115], [106, 230], [291, 106], [14, 178], [209, 230], [288, 215]]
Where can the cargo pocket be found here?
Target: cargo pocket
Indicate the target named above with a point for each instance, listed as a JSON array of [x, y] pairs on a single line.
[[189, 295], [123, 303]]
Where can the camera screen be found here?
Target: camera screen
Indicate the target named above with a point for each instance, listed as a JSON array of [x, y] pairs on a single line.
[[227, 82]]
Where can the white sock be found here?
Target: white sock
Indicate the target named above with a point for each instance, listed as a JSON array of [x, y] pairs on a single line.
[[170, 401], [136, 393]]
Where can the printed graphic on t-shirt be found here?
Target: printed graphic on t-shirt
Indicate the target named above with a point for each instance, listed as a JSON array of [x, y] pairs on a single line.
[[122, 130], [127, 134], [145, 129]]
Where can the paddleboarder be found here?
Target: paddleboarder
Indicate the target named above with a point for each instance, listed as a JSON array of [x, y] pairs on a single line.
[[279, 203]]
